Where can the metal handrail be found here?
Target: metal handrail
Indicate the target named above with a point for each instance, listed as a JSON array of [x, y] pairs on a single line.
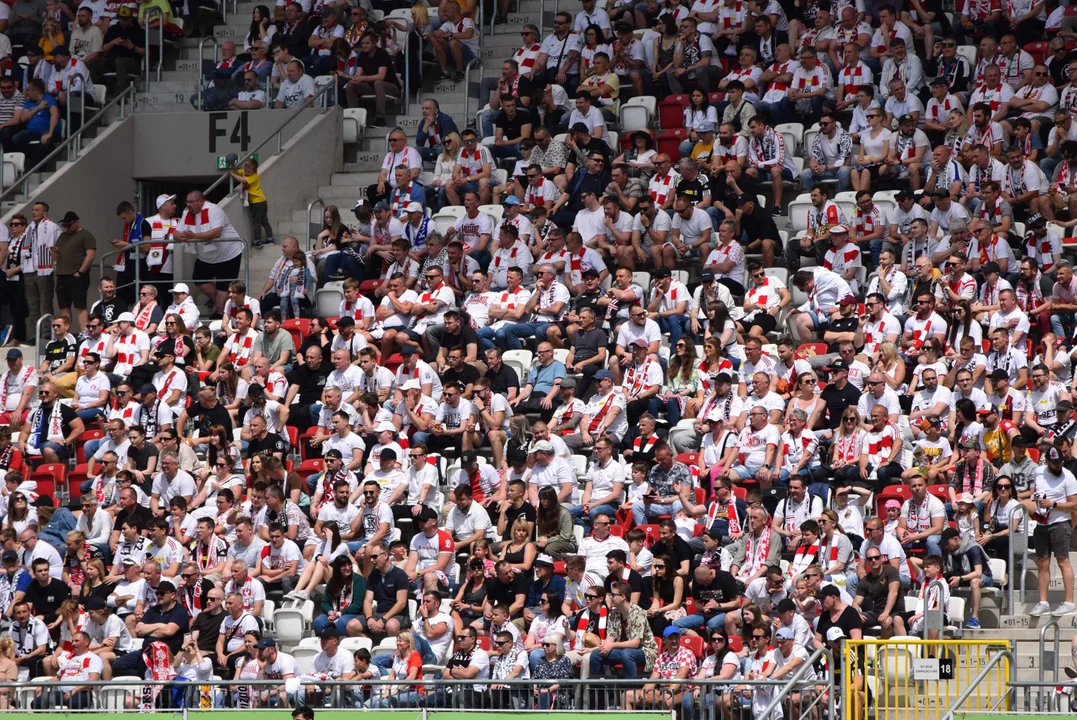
[[467, 86], [542, 19], [201, 73], [23, 180], [67, 113], [980, 677], [1018, 509], [275, 133], [182, 243], [310, 208], [791, 685], [161, 47], [407, 69], [1052, 623], [47, 319]]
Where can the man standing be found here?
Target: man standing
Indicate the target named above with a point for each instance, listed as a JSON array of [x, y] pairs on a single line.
[[1053, 501], [73, 255], [219, 260], [40, 285]]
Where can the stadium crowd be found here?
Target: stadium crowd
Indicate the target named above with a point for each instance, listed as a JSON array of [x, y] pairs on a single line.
[[521, 446]]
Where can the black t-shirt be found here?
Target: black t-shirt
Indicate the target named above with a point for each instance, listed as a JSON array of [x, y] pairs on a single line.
[[680, 551], [205, 418], [271, 443], [137, 37], [385, 587], [722, 589], [141, 458], [526, 511], [636, 582], [848, 621], [760, 224], [113, 308], [141, 512], [587, 343], [695, 189], [837, 400], [67, 416], [46, 600], [498, 592], [512, 128], [178, 614], [58, 351], [843, 325], [311, 382], [588, 300], [209, 628], [461, 340], [368, 65], [876, 590], [465, 375], [503, 379]]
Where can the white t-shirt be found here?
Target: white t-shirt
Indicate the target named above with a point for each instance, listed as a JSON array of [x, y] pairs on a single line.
[[1058, 488], [296, 94]]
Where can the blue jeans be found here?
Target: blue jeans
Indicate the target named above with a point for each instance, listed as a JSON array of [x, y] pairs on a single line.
[[843, 175], [322, 622], [675, 325], [673, 411], [341, 265], [694, 622], [55, 533], [508, 336], [90, 414], [533, 657], [577, 513], [777, 112], [642, 512], [629, 658], [486, 337]]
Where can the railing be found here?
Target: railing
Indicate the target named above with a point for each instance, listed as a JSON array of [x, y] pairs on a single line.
[[542, 18], [407, 69], [23, 181], [467, 86], [971, 687], [224, 9], [1052, 623], [72, 148], [47, 319], [201, 72], [310, 207], [292, 115], [519, 695], [1055, 698], [182, 244], [150, 13], [1010, 556], [795, 683]]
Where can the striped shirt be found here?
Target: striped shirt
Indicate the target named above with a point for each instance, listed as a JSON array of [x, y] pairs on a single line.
[[8, 106]]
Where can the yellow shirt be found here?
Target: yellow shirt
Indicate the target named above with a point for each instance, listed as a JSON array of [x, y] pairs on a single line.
[[702, 152], [254, 187]]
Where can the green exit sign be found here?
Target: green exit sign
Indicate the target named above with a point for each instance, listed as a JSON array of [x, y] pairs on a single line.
[[222, 161]]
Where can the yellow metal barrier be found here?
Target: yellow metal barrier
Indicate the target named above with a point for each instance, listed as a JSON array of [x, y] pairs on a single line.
[[912, 679]]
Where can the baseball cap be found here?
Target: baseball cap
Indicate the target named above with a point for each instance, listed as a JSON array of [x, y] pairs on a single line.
[[838, 365], [94, 603], [706, 276], [413, 207], [705, 127], [999, 374], [970, 444], [568, 383], [542, 446], [70, 216], [907, 117], [543, 559], [671, 630], [663, 272], [640, 343], [9, 555], [723, 377], [1054, 455], [1036, 220], [892, 503], [511, 200], [407, 350], [412, 384], [180, 288], [784, 634], [745, 198], [834, 633], [61, 50], [330, 631], [384, 426], [427, 513], [990, 267], [381, 205], [840, 229], [468, 458], [266, 642], [603, 375], [965, 498], [166, 586], [941, 192], [847, 300], [335, 454], [125, 317], [162, 199], [14, 354], [579, 128], [147, 388]]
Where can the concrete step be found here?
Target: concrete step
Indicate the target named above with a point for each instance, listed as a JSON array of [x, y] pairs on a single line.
[[167, 101], [187, 84]]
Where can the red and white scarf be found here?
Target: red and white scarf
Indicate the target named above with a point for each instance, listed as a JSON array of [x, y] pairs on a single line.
[[807, 555], [240, 353], [603, 408], [155, 656], [731, 514], [756, 552], [584, 621], [643, 445]]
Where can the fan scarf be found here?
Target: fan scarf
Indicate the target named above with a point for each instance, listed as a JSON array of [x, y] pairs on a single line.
[[756, 552], [596, 421], [731, 514], [155, 655], [806, 556], [584, 621], [54, 431]]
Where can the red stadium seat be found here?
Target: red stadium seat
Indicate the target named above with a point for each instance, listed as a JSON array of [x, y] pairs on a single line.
[[809, 349], [559, 568], [48, 477], [367, 287], [80, 447], [671, 111], [901, 493], [736, 644], [74, 479], [740, 493], [484, 642], [942, 492], [651, 531], [298, 329], [690, 606], [617, 530], [311, 467], [1034, 454], [695, 644], [669, 142], [688, 458], [1038, 51]]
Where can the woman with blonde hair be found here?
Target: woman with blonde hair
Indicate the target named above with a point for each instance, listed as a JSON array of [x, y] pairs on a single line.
[[9, 670], [519, 552], [845, 448], [444, 166], [891, 366], [407, 664], [958, 132], [93, 584], [805, 398]]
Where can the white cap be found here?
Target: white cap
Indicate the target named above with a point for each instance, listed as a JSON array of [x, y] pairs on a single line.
[[412, 384], [385, 426], [180, 288], [126, 316], [162, 199], [834, 633], [542, 446], [413, 207]]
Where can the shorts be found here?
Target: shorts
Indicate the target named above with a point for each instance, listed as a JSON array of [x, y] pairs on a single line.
[[817, 321], [71, 291], [764, 321], [746, 472], [223, 272], [1052, 539]]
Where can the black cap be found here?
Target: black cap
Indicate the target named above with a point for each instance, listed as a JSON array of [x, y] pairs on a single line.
[[387, 454], [166, 586], [517, 457], [468, 458], [745, 198], [580, 128], [707, 276], [334, 453], [589, 273], [9, 555], [941, 192], [723, 377], [1054, 455], [95, 603], [838, 365], [999, 374], [61, 50], [1037, 220], [990, 267], [147, 388], [939, 81], [330, 631], [427, 513], [663, 272], [407, 350], [69, 217]]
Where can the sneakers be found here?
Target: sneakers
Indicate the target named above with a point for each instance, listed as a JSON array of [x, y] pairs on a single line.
[[972, 624], [1066, 608], [776, 212], [1041, 608], [5, 333], [300, 595]]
